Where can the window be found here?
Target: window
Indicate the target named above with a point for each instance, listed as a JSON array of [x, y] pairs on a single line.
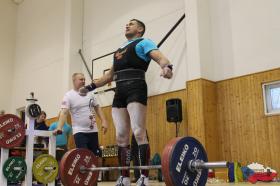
[[271, 95]]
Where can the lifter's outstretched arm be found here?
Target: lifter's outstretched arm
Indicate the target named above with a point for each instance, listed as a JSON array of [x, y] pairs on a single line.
[[163, 62]]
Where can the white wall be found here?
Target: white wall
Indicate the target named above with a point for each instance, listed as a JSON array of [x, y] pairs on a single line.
[[245, 36], [230, 38], [46, 48], [8, 14], [104, 24]]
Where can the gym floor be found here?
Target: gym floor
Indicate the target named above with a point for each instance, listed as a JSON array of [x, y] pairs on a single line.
[[154, 183]]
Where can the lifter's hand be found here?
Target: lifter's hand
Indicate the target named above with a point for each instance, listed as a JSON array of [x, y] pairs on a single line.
[[166, 72], [84, 90], [57, 132], [104, 126]]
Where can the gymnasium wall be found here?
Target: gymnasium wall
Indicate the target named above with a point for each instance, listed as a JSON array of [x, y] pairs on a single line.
[[201, 111], [245, 36], [39, 53], [48, 36], [8, 14], [228, 118], [231, 38], [246, 134]]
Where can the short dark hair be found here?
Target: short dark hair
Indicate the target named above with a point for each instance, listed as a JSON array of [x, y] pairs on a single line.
[[141, 24]]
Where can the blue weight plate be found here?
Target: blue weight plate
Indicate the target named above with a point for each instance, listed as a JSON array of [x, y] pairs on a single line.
[[176, 156]]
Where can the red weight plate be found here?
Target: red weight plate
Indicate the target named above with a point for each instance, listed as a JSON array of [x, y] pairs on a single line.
[[167, 151], [12, 131], [70, 164]]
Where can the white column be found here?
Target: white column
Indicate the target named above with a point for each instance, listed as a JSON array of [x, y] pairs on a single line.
[[192, 40], [73, 39], [200, 60], [29, 151], [4, 157]]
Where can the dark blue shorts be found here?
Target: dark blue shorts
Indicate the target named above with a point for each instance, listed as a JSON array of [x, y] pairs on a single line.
[[130, 91], [88, 141]]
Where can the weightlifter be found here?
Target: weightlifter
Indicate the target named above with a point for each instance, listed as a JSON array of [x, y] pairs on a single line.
[[131, 61]]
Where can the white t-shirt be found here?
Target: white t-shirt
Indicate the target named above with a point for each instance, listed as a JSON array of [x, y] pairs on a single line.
[[79, 107]]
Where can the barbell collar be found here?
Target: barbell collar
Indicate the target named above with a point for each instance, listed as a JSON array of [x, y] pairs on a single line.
[[195, 165]]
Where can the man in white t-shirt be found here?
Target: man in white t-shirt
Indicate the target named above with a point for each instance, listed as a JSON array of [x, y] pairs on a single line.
[[83, 110]]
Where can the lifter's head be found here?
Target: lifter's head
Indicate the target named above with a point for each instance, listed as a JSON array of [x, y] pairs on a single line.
[[78, 80], [134, 28]]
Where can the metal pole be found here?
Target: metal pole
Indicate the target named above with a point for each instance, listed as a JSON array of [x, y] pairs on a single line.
[[171, 30], [103, 56]]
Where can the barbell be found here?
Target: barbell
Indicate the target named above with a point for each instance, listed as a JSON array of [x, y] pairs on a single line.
[[184, 162]]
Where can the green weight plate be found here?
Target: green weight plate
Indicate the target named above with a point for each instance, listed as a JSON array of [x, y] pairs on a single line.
[[14, 169], [45, 168]]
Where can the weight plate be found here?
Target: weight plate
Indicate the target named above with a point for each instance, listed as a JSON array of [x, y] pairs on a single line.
[[14, 169], [45, 168], [176, 156], [12, 131], [70, 168]]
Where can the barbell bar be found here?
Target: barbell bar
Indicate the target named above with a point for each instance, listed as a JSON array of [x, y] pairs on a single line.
[[194, 165]]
